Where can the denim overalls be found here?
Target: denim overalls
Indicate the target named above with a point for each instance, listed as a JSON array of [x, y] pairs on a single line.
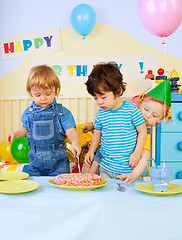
[[48, 154]]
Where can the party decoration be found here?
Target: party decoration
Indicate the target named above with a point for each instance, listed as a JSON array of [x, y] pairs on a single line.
[[34, 43], [83, 19], [20, 150], [72, 70], [162, 92], [161, 17], [5, 153]]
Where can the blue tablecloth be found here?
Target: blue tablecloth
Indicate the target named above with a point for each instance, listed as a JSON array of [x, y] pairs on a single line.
[[52, 213]]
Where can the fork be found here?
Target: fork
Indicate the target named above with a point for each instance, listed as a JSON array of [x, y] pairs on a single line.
[[74, 165], [121, 188]]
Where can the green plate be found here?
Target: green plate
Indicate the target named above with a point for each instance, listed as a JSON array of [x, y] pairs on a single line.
[[74, 188], [15, 186], [148, 188], [8, 175]]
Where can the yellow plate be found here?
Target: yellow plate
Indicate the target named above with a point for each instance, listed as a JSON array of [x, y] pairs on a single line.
[[74, 188], [148, 188], [7, 175], [15, 186]]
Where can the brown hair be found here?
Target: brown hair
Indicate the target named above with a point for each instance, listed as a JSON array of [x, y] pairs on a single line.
[[106, 77], [147, 98], [43, 77]]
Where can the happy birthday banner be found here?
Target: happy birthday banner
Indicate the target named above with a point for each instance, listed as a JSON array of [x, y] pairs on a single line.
[[28, 44], [77, 69]]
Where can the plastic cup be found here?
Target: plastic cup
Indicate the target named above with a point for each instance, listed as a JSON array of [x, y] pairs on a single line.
[[160, 178]]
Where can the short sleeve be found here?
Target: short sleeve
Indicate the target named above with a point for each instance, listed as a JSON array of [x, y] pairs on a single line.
[[97, 124], [67, 119], [137, 117], [25, 119]]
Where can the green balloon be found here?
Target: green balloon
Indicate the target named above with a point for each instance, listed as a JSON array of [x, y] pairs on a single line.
[[20, 150]]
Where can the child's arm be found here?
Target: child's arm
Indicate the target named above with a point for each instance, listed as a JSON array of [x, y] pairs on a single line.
[[88, 128], [20, 133], [138, 170], [94, 167], [74, 139], [93, 146], [141, 139], [96, 160]]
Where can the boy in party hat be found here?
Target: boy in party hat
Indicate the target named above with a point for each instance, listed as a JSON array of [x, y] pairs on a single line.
[[155, 106]]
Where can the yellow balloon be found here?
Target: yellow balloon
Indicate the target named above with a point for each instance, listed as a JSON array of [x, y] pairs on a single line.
[[5, 153]]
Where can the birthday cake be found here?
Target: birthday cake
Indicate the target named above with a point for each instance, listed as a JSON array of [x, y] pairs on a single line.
[[78, 179]]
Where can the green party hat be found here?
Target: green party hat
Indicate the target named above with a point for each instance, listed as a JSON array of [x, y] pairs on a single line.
[[162, 92]]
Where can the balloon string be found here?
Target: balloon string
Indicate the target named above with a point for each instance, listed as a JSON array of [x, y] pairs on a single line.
[[84, 52], [165, 56], [163, 40], [165, 47]]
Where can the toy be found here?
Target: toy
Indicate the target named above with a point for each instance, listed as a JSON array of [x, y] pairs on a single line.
[[174, 79], [20, 150], [5, 153], [161, 77], [150, 75], [175, 87]]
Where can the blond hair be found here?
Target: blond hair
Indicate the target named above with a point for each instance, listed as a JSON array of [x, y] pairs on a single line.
[[44, 77]]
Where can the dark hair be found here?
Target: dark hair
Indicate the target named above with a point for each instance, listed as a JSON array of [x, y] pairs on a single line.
[[106, 77]]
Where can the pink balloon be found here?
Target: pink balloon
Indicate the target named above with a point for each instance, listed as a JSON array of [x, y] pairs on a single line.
[[161, 17]]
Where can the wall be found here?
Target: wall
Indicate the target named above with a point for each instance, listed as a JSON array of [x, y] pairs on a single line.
[[103, 42], [118, 33]]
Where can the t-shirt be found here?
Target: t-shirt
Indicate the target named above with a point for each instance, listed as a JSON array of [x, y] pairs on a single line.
[[119, 136]]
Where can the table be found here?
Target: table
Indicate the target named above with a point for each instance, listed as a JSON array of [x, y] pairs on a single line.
[[105, 213]]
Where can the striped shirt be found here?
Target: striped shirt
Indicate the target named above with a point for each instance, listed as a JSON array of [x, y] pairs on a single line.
[[119, 136]]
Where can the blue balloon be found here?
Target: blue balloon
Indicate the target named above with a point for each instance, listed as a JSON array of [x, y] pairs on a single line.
[[83, 19]]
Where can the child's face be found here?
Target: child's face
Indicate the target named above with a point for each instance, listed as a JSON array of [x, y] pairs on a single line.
[[153, 112], [107, 101], [41, 97]]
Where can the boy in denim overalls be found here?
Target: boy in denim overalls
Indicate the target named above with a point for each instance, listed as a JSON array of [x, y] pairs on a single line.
[[46, 124]]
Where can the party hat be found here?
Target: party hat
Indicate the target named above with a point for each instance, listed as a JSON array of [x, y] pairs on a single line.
[[162, 92]]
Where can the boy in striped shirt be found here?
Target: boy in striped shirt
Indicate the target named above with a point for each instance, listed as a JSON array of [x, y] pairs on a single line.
[[119, 125]]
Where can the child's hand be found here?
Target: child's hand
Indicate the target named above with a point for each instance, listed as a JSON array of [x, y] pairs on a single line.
[[76, 150], [128, 178], [87, 128], [9, 138], [134, 159], [72, 135], [89, 158]]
